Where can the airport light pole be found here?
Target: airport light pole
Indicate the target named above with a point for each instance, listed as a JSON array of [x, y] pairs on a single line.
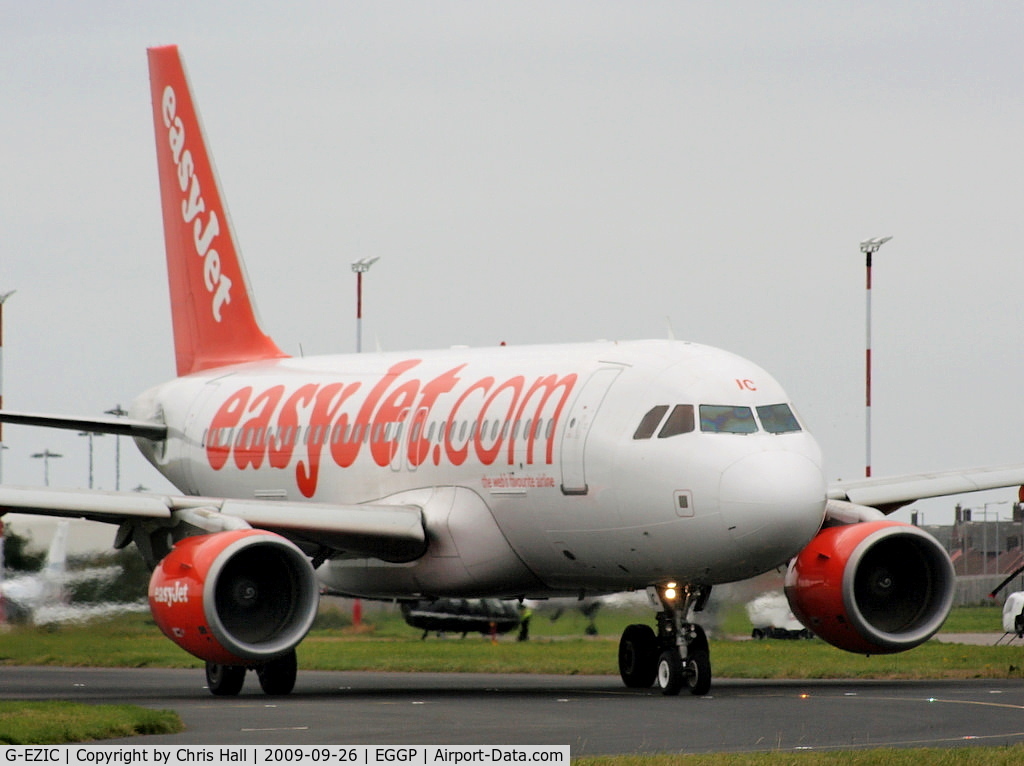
[[984, 534], [998, 541], [360, 267], [3, 538], [869, 247], [3, 299], [118, 412], [46, 455], [89, 435]]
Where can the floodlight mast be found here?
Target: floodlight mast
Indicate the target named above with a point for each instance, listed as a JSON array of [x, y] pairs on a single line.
[[3, 299], [869, 247], [90, 435], [118, 412], [45, 455], [360, 267]]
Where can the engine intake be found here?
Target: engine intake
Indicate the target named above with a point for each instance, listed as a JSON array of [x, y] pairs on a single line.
[[874, 588], [241, 597]]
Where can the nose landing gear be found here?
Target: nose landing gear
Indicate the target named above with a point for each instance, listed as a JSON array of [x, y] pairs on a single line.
[[678, 656]]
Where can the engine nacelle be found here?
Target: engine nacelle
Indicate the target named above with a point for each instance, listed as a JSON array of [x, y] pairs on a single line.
[[241, 597], [873, 588]]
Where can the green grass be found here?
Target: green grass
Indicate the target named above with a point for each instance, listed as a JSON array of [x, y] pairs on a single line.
[[960, 756], [386, 643], [975, 619], [126, 641], [56, 723]]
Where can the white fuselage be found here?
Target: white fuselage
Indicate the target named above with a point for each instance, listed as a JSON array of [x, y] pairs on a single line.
[[540, 470]]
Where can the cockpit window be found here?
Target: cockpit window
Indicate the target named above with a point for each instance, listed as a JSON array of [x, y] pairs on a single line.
[[778, 419], [650, 422], [716, 418], [679, 422]]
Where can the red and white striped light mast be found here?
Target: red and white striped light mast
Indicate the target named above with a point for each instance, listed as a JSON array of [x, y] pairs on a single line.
[[869, 248], [360, 267]]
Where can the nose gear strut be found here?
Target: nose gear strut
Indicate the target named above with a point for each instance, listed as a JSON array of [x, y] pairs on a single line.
[[678, 656]]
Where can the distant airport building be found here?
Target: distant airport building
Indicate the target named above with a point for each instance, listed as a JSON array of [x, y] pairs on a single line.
[[984, 551]]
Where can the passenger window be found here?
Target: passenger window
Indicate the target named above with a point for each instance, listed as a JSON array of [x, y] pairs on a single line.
[[650, 422], [679, 422], [716, 418], [778, 419]]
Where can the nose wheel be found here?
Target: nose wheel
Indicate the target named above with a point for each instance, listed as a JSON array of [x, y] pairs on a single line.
[[677, 657]]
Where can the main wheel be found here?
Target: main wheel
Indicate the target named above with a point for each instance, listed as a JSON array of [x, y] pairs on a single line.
[[697, 672], [277, 677], [670, 672], [638, 657], [224, 680]]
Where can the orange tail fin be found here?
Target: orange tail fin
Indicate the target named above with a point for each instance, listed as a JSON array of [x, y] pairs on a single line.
[[215, 322]]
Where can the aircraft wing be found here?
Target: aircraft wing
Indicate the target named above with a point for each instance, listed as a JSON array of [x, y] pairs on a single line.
[[891, 493], [120, 426], [390, 532]]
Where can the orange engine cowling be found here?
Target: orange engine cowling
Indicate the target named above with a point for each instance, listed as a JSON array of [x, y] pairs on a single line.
[[877, 587], [241, 597]]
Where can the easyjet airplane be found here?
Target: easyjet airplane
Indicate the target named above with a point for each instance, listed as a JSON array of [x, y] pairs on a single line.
[[503, 472]]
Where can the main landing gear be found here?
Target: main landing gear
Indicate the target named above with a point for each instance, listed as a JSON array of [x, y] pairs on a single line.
[[678, 656], [277, 677]]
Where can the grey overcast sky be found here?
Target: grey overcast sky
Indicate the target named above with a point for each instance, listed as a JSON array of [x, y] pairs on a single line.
[[539, 172]]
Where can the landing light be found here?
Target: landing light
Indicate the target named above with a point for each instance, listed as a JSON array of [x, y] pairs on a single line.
[[670, 593]]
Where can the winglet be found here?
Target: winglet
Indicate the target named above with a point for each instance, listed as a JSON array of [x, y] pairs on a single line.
[[214, 318], [57, 556]]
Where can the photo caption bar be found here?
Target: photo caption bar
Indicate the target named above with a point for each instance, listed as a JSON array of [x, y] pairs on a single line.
[[298, 755]]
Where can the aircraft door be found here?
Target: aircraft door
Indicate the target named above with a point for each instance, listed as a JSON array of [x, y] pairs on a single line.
[[578, 423], [194, 447], [416, 446], [399, 440]]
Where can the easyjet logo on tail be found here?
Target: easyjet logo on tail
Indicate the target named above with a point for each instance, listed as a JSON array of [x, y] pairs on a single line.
[[447, 419], [205, 224]]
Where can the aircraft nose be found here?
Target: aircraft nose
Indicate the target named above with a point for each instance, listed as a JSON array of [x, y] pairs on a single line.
[[773, 503]]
